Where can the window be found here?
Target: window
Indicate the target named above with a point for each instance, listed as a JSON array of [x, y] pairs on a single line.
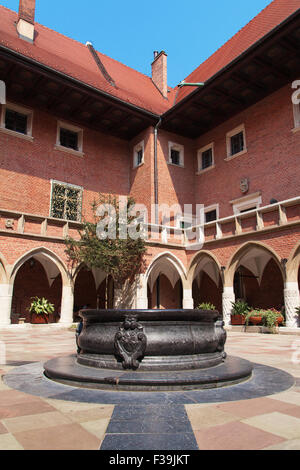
[[138, 154], [66, 201], [206, 157], [236, 142], [176, 154], [69, 138], [210, 216], [211, 213], [246, 203], [17, 120]]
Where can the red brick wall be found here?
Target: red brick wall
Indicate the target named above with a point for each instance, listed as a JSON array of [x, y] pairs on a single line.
[[26, 168], [270, 162]]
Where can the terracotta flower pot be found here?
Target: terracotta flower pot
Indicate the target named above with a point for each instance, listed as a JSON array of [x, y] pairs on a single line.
[[255, 320], [39, 319], [238, 319]]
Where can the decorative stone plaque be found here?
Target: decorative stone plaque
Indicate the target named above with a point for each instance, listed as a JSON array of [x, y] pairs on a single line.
[[130, 342]]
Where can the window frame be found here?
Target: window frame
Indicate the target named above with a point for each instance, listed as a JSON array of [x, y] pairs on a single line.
[[200, 152], [213, 207], [229, 135], [72, 128], [246, 202], [71, 186], [136, 149], [28, 112], [180, 149]]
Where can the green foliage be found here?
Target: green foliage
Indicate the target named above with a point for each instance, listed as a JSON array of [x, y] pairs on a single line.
[[269, 317], [240, 308], [41, 306], [206, 306], [118, 256], [297, 310]]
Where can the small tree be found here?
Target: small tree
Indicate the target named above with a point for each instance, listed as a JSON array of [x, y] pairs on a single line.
[[105, 242]]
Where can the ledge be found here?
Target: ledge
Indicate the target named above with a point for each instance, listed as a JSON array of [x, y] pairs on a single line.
[[17, 134], [205, 170], [76, 153], [231, 157]]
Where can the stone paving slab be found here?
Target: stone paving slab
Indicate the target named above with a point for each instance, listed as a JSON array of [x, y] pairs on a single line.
[[55, 420]]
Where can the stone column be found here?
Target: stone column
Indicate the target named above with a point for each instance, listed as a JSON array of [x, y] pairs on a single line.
[[291, 301], [6, 291], [141, 296], [187, 301], [67, 305], [228, 297]]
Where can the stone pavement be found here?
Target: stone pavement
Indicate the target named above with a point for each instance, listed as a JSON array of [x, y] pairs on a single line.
[[32, 422]]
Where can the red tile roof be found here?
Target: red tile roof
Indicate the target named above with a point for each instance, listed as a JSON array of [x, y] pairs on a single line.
[[274, 14], [75, 60]]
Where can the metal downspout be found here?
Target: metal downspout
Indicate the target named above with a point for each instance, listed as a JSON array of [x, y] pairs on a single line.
[[156, 171]]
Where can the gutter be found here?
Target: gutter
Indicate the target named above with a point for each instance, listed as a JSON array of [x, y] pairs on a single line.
[[78, 82], [233, 62]]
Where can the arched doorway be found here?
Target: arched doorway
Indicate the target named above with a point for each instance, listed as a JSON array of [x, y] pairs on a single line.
[[258, 277], [207, 282], [38, 276], [164, 283], [92, 289]]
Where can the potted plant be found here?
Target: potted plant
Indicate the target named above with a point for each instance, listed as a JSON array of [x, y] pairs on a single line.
[[271, 319], [40, 309], [206, 306], [239, 312], [254, 316]]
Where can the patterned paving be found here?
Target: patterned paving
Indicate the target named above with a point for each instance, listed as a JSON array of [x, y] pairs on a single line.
[[28, 421]]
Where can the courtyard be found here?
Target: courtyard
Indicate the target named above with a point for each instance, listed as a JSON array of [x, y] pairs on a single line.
[[36, 414]]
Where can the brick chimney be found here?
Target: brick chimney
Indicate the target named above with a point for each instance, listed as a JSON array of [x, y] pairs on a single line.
[[159, 72], [25, 25]]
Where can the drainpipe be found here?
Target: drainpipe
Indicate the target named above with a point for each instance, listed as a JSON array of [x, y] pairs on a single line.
[[156, 171], [183, 83]]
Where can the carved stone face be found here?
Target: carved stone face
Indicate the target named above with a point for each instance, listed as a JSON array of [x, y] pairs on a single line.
[[244, 185]]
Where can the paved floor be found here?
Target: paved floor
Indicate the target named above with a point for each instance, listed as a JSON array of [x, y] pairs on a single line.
[[28, 421]]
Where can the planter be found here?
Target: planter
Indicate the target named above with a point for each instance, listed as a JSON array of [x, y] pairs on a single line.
[[238, 319], [39, 319], [255, 320]]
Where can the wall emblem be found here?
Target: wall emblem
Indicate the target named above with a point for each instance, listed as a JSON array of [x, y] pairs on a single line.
[[244, 185], [130, 342]]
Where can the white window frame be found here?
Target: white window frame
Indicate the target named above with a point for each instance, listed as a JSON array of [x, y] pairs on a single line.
[[229, 135], [180, 149], [137, 148], [62, 183], [296, 113], [246, 202], [19, 109], [72, 128], [199, 158], [213, 207]]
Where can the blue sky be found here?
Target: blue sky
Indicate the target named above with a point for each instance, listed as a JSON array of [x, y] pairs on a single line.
[[129, 31]]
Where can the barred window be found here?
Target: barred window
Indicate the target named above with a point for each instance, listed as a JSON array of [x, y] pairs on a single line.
[[66, 202], [237, 143], [207, 159]]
